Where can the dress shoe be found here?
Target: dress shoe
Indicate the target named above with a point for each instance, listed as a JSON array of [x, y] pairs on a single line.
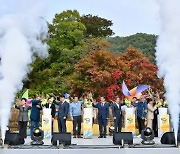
[[100, 137], [79, 136], [104, 136], [74, 136]]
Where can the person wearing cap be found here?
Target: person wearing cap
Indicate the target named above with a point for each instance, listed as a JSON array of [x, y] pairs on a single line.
[[62, 114]]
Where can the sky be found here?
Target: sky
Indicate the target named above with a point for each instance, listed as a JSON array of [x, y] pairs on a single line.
[[128, 16]]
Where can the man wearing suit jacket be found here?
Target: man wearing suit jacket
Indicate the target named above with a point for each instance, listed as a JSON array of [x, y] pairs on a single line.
[[103, 116], [141, 113], [35, 113], [62, 114], [117, 114]]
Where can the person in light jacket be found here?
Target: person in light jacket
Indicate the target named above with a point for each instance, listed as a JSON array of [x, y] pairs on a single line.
[[23, 117], [150, 113], [75, 114]]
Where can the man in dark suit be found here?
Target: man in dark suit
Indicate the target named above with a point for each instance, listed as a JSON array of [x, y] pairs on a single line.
[[62, 114], [35, 113], [103, 116], [117, 114]]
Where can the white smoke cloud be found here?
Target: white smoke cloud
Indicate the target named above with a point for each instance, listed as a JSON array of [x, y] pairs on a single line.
[[22, 27], [168, 55]]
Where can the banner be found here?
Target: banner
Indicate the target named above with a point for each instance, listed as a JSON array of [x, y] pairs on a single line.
[[130, 123], [164, 125], [46, 124], [87, 122]]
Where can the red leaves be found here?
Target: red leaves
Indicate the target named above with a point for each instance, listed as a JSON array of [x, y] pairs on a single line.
[[116, 74], [105, 72], [112, 91]]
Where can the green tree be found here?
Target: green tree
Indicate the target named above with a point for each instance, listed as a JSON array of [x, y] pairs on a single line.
[[145, 43], [66, 31], [66, 36], [97, 26]]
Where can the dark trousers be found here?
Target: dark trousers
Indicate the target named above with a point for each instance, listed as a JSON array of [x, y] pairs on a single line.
[[52, 128], [34, 124], [155, 126], [62, 125], [22, 128], [102, 126], [118, 124], [141, 124], [77, 122]]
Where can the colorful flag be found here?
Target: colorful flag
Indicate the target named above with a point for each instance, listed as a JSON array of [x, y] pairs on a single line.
[[135, 92]]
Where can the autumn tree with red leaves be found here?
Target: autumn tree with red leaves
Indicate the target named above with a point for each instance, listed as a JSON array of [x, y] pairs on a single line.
[[139, 70], [102, 72]]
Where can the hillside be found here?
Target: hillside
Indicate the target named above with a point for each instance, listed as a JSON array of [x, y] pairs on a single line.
[[141, 41]]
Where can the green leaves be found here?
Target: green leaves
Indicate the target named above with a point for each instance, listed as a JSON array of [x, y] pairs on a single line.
[[66, 31], [80, 59], [66, 37], [141, 41], [97, 26]]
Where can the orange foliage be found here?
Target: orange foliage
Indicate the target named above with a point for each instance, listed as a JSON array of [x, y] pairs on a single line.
[[102, 72]]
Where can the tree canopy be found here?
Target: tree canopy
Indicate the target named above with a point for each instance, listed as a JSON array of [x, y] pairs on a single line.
[[66, 37], [103, 72], [83, 59], [97, 26], [143, 42]]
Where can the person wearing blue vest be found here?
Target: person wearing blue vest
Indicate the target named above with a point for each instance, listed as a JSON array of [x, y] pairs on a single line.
[[141, 113], [62, 114], [117, 114], [75, 114], [103, 115], [35, 113]]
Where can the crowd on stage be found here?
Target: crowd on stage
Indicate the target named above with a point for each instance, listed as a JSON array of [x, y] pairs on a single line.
[[62, 107]]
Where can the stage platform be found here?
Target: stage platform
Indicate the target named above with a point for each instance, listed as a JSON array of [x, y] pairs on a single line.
[[91, 146]]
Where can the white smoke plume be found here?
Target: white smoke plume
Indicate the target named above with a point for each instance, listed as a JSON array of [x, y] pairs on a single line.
[[22, 29], [168, 55]]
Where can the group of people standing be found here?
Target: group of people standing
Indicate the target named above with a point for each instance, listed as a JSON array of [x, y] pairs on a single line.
[[143, 108]]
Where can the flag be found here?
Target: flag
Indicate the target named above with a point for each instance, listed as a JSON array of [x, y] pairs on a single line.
[[135, 92], [25, 95]]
